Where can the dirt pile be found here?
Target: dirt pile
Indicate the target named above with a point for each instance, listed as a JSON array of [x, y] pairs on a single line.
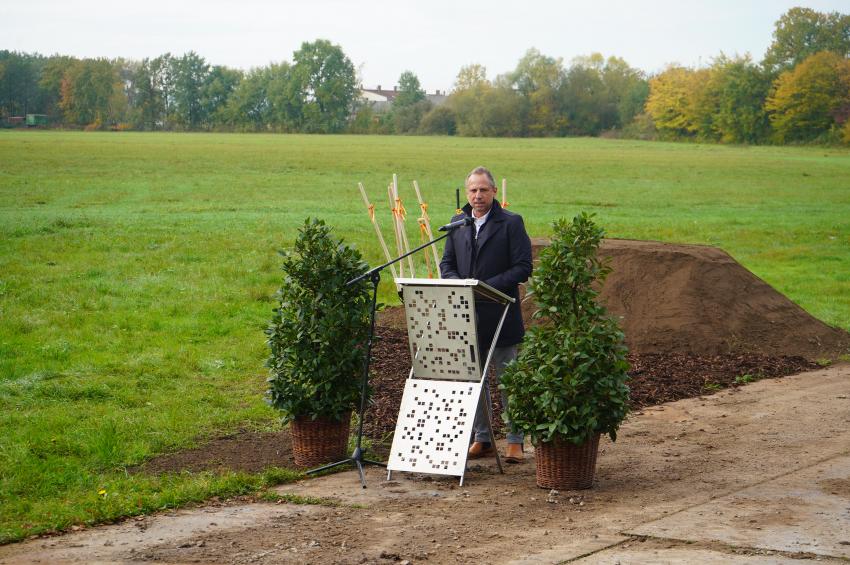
[[697, 299], [694, 299]]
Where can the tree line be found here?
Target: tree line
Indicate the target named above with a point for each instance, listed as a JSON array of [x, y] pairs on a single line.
[[799, 92]]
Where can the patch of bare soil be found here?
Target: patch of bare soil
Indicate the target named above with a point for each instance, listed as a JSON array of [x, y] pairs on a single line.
[[246, 450]]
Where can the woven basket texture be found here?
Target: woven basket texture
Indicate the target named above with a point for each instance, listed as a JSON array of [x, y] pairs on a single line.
[[566, 466], [319, 441]]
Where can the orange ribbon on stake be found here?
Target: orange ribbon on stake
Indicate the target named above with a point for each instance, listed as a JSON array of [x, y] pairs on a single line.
[[371, 209], [398, 244], [401, 215], [423, 206]]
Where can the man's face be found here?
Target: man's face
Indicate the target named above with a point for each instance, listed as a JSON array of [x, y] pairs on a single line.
[[480, 194]]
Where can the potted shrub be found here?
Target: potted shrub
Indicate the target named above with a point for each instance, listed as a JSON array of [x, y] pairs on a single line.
[[317, 337], [568, 384]]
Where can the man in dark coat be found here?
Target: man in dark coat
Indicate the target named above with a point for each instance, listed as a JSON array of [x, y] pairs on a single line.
[[497, 251]]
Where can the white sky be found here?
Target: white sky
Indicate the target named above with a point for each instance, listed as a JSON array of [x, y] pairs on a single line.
[[385, 37]]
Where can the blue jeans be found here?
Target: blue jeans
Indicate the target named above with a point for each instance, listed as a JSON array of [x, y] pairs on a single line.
[[501, 357]]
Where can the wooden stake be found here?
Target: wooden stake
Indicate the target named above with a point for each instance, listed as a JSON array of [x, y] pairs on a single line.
[[401, 216], [423, 237], [398, 244], [427, 223], [371, 209]]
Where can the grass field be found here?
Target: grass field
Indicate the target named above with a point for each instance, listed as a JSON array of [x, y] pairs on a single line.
[[137, 273]]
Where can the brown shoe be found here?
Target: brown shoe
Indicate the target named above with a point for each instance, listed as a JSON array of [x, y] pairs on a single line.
[[514, 453], [480, 449]]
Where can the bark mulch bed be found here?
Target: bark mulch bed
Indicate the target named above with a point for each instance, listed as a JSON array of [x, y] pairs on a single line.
[[656, 377]]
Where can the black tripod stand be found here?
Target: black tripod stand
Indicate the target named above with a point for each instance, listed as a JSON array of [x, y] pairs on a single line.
[[374, 275]]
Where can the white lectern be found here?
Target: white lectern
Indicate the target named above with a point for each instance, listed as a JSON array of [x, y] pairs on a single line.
[[446, 379]]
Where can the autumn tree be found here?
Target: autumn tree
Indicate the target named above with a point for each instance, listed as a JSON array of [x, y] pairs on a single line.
[[465, 101], [471, 76], [50, 85], [672, 102], [802, 32], [811, 99], [92, 93]]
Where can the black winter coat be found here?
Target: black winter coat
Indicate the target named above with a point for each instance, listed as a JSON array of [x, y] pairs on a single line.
[[502, 260]]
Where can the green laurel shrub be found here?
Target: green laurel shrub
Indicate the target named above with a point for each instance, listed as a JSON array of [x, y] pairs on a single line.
[[569, 379], [318, 333]]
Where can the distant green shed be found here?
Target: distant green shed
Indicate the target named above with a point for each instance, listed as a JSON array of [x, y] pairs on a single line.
[[36, 120]]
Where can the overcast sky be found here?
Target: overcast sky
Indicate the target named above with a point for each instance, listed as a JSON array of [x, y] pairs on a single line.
[[385, 37]]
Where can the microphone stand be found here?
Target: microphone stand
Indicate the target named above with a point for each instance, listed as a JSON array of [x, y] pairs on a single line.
[[374, 275]]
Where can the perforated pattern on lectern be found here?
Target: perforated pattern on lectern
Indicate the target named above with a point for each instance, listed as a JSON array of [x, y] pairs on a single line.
[[433, 428], [441, 330]]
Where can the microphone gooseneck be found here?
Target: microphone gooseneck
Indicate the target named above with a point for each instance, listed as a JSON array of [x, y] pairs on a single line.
[[465, 221]]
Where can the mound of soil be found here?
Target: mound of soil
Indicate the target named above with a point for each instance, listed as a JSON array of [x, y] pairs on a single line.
[[698, 299]]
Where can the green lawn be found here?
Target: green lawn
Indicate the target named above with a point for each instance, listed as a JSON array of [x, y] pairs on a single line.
[[137, 273]]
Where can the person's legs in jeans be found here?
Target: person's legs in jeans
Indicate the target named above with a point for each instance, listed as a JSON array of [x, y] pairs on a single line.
[[501, 357]]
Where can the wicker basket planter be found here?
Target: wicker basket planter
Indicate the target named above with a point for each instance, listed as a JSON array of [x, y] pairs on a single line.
[[319, 441], [566, 466]]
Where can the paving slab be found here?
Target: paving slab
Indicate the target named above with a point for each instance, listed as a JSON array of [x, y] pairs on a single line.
[[573, 549], [690, 556], [805, 511]]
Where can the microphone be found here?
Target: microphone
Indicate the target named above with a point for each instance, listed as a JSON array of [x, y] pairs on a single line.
[[465, 221]]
